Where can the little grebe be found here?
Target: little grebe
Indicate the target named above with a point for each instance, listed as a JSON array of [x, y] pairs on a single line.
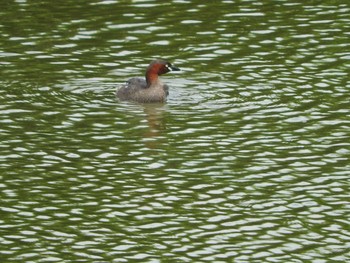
[[150, 89]]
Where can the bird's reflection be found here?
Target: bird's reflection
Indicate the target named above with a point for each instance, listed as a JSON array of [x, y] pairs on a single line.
[[155, 115]]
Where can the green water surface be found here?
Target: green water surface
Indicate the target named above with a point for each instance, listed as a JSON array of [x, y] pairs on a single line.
[[248, 161]]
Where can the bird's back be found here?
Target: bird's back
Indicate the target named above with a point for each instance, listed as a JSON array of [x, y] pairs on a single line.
[[136, 89], [132, 87]]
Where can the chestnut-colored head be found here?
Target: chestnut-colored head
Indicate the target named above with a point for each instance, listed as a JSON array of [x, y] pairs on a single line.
[[156, 68]]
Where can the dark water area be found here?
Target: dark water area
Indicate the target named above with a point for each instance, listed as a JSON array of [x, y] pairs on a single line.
[[248, 161]]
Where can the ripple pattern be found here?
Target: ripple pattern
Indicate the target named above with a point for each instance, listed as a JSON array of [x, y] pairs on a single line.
[[247, 162]]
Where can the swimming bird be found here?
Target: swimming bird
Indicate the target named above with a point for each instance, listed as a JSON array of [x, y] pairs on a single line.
[[150, 89]]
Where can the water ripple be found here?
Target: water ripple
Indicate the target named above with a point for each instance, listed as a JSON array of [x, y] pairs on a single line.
[[247, 162]]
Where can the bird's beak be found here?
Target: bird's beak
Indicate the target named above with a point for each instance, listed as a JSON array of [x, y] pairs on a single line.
[[173, 68]]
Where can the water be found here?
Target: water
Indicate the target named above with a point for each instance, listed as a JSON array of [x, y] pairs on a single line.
[[248, 161]]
